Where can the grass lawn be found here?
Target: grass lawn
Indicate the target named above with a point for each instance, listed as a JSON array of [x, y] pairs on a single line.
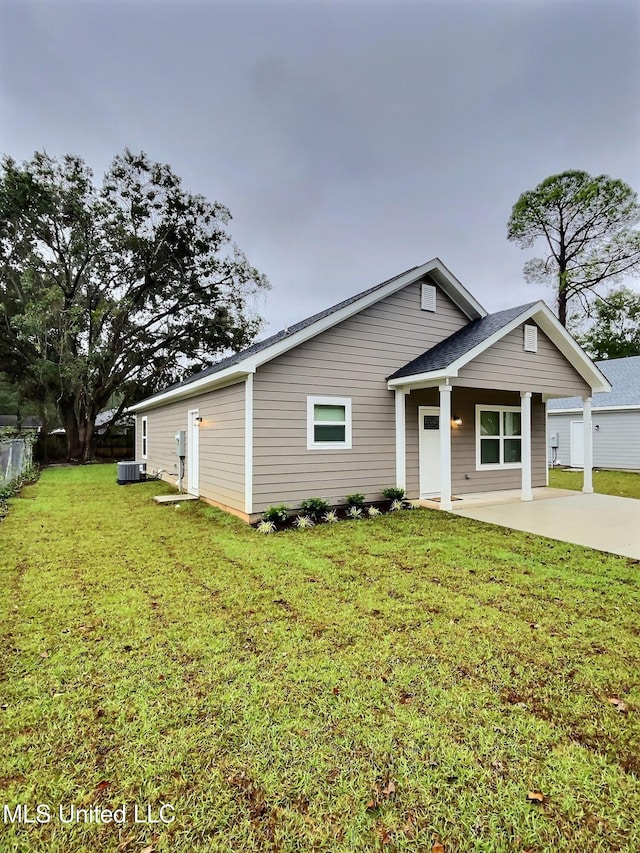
[[625, 484], [375, 685]]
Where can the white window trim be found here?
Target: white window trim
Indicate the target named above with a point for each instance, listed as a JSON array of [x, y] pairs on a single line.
[[144, 437], [312, 444], [496, 466]]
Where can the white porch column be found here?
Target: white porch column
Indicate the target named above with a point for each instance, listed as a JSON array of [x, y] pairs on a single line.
[[445, 446], [587, 483], [401, 468], [525, 419]]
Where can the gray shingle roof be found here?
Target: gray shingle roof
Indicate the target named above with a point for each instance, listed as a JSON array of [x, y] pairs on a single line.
[[460, 342], [281, 335], [624, 376]]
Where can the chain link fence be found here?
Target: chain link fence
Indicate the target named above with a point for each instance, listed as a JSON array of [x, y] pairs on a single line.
[[16, 455]]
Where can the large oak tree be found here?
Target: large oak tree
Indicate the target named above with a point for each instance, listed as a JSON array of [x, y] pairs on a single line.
[[587, 226], [126, 286]]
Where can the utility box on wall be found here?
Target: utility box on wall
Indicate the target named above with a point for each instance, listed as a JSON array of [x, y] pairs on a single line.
[[181, 443]]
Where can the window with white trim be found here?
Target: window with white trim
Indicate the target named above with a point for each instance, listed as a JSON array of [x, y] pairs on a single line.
[[143, 433], [328, 423], [498, 437]]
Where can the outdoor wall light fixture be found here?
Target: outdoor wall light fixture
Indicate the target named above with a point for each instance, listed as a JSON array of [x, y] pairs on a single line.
[[198, 420], [597, 427], [456, 420]]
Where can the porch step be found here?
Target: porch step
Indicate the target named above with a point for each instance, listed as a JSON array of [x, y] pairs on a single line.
[[174, 499]]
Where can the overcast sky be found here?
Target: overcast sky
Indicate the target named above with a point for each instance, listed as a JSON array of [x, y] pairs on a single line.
[[351, 139]]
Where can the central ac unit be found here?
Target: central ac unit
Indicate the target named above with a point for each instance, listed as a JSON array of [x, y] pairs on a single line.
[[131, 472]]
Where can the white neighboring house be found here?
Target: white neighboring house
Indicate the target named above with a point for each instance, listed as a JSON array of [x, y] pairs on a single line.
[[615, 421]]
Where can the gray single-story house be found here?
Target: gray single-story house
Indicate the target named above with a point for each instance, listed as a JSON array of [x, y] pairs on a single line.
[[410, 383], [616, 421]]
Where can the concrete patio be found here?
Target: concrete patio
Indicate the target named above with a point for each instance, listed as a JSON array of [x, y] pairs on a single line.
[[604, 522]]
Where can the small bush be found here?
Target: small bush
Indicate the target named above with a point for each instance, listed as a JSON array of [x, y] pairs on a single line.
[[354, 512], [266, 527], [356, 500], [373, 511], [394, 494], [315, 508], [303, 522], [330, 517], [12, 489], [396, 505], [276, 514]]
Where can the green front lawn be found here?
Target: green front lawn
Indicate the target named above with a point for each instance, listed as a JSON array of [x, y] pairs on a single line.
[[625, 484], [371, 685]]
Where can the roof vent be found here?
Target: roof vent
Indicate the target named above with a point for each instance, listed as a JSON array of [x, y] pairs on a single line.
[[428, 298], [530, 338]]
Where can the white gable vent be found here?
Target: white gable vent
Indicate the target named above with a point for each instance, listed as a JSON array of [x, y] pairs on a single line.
[[530, 338], [428, 298]]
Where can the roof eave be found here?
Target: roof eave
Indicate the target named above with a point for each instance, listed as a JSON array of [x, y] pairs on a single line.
[[435, 268], [550, 325], [199, 386]]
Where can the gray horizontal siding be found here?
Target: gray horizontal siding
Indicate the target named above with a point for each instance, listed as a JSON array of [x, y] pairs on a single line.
[[352, 360], [221, 442], [616, 444], [506, 365]]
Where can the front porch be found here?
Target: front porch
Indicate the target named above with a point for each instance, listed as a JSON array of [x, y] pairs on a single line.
[[458, 445]]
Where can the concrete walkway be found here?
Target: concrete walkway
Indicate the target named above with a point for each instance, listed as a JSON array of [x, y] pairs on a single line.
[[603, 522]]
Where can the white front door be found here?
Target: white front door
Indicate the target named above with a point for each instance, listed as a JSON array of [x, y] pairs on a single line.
[[193, 453], [577, 444], [429, 450]]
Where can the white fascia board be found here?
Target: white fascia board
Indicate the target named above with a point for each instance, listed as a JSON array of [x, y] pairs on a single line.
[[572, 351], [550, 325], [456, 292], [198, 386], [441, 275], [423, 380], [595, 409], [557, 334]]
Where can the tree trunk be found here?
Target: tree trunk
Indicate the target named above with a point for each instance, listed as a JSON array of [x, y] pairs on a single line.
[[562, 297], [79, 423]]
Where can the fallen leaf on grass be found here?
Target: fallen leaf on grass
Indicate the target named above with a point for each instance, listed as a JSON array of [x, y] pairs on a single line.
[[148, 849], [44, 654], [618, 704], [535, 797], [384, 834], [125, 842], [437, 847], [389, 789], [102, 785]]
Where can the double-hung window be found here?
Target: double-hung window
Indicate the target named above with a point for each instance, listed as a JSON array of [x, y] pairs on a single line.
[[328, 423], [498, 437]]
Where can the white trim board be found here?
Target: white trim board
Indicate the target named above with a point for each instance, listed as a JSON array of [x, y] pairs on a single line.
[[594, 409], [549, 324], [435, 268]]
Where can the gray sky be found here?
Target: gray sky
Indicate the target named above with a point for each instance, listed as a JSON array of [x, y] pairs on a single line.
[[351, 139]]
